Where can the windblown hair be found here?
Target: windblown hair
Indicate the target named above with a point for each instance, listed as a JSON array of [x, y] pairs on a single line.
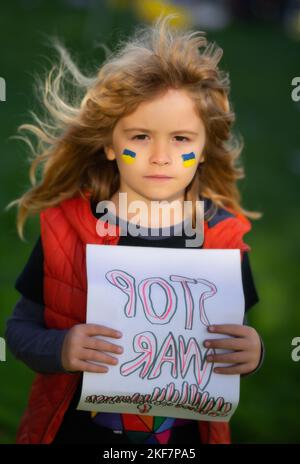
[[71, 138]]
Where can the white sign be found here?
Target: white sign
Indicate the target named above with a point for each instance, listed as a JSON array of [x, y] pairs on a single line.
[[162, 300]]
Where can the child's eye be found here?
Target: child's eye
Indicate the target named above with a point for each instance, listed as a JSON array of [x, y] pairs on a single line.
[[181, 137], [139, 137]]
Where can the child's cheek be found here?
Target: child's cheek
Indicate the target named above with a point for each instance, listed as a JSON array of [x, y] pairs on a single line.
[[188, 159], [128, 156]]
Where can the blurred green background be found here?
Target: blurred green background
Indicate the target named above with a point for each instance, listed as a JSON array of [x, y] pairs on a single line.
[[262, 60]]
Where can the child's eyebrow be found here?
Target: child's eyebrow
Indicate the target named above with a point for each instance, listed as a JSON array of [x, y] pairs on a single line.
[[141, 129]]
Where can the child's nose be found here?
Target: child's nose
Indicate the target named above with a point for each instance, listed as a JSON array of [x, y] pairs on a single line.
[[160, 154]]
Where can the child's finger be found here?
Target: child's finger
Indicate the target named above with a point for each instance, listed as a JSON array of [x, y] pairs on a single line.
[[102, 345], [95, 329], [85, 366], [236, 330], [98, 356], [232, 370], [232, 358], [226, 343]]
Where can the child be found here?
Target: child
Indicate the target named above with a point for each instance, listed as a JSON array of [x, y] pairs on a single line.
[[154, 124]]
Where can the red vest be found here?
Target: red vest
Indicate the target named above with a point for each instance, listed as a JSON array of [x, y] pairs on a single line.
[[65, 231]]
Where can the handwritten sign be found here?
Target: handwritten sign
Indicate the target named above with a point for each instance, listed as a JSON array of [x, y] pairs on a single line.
[[162, 300]]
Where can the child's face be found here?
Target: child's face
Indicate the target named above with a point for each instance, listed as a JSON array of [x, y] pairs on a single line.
[[151, 141]]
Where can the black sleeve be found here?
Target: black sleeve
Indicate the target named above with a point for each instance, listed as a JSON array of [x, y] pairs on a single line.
[[30, 281], [31, 342], [250, 293]]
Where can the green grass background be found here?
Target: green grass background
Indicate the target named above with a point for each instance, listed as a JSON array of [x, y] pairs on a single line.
[[262, 62]]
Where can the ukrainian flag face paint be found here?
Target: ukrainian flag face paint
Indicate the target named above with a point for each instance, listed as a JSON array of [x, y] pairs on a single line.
[[189, 159], [128, 156]]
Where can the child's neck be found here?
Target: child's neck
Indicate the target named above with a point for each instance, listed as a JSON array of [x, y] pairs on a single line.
[[149, 213]]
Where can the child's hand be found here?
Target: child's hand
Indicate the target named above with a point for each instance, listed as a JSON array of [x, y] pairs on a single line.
[[245, 344], [80, 346]]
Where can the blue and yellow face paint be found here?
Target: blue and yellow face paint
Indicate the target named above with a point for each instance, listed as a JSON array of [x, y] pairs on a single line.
[[189, 159], [128, 156]]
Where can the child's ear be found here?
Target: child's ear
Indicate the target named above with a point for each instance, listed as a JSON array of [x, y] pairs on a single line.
[[202, 158], [109, 152]]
